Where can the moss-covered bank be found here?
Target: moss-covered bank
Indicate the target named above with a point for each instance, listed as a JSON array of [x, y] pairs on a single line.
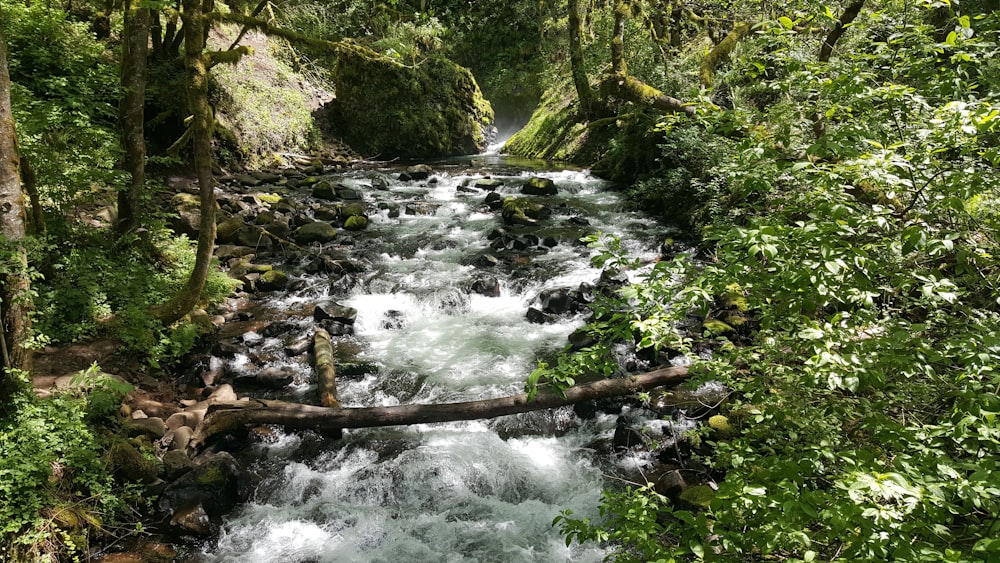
[[385, 108]]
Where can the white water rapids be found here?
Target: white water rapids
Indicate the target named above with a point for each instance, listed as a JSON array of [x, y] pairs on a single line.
[[475, 491]]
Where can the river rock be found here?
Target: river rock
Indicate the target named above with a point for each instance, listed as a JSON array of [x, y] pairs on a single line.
[[278, 328], [488, 184], [330, 309], [556, 301], [520, 211], [298, 347], [356, 223], [537, 316], [487, 285], [324, 189], [188, 208], [272, 281], [539, 186], [337, 328], [419, 172], [625, 437], [227, 231], [193, 520], [265, 217], [152, 426], [393, 320], [212, 483], [316, 231], [269, 378], [175, 464], [494, 201]]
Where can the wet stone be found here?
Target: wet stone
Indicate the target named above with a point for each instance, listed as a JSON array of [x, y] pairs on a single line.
[[335, 311], [336, 328]]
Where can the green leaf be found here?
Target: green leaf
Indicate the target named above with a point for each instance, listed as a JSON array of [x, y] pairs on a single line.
[[786, 22]]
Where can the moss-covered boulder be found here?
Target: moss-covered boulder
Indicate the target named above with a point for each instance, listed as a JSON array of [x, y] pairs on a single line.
[[522, 211], [386, 108], [356, 223]]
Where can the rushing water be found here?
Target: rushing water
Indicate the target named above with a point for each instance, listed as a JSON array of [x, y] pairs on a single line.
[[464, 491]]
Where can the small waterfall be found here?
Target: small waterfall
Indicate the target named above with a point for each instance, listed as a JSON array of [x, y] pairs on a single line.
[[467, 491]]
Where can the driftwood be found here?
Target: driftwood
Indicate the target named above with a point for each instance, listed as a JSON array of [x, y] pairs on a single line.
[[229, 416], [326, 374]]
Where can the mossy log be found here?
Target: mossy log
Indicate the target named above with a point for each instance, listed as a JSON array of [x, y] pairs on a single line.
[[720, 53], [226, 417], [326, 373], [630, 89]]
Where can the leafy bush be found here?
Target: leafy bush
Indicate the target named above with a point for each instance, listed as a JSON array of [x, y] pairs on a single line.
[[56, 491], [864, 407]]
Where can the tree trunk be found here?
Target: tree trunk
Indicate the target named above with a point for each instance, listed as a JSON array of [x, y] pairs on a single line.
[[226, 417], [720, 53], [583, 90], [15, 297], [201, 141], [618, 39], [131, 114], [851, 12]]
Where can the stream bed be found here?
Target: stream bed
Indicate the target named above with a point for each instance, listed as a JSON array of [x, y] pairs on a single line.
[[442, 295]]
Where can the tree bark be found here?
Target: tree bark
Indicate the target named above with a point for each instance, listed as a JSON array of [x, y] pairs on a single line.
[[131, 114], [201, 141], [851, 12], [720, 53], [15, 297], [583, 90], [226, 417], [618, 39]]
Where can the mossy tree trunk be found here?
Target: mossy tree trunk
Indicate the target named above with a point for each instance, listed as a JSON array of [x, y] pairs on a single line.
[[201, 140], [583, 90], [618, 38], [720, 53], [131, 113], [15, 300], [618, 83]]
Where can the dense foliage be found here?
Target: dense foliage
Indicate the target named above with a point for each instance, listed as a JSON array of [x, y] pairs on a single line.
[[852, 215]]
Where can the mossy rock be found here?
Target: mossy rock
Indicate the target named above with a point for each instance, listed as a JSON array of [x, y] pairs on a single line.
[[383, 107], [269, 198], [128, 463], [272, 280], [715, 326], [317, 231], [324, 189], [352, 210], [721, 425], [521, 211], [539, 186], [356, 223], [733, 298]]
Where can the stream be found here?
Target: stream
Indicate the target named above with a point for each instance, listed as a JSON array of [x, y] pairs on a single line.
[[441, 317]]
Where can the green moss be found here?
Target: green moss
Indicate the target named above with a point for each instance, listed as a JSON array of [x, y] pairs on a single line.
[[356, 223], [269, 198], [387, 108], [715, 326]]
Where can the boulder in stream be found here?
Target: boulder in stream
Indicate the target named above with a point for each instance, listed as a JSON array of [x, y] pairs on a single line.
[[317, 231], [539, 186]]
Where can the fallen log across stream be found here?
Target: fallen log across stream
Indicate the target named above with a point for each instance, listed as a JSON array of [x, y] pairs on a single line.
[[229, 416]]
